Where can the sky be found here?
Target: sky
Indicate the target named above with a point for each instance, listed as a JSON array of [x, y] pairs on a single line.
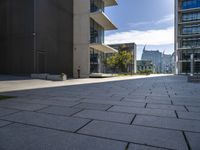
[[145, 22]]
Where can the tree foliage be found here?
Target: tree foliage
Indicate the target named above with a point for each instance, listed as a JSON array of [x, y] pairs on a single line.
[[119, 60]]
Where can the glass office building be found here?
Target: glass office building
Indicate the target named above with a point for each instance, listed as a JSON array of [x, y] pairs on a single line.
[[187, 35], [97, 36]]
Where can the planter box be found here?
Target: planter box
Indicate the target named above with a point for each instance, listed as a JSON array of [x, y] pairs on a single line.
[[195, 78], [39, 76], [56, 77]]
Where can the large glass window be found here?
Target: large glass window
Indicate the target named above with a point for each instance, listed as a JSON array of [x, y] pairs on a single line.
[[191, 29], [188, 4], [96, 32], [96, 5], [191, 17], [190, 42]]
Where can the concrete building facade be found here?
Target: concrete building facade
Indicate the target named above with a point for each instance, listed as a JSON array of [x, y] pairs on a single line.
[[36, 36], [90, 23], [187, 36], [45, 36]]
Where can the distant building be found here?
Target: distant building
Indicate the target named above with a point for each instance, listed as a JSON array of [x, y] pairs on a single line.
[[131, 47], [167, 66], [143, 65], [155, 57]]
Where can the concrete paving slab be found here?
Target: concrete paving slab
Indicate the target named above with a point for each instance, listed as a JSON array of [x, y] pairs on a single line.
[[143, 111], [142, 147], [148, 101], [167, 107], [193, 109], [168, 123], [3, 123], [118, 103], [189, 103], [93, 106], [189, 115], [47, 120], [21, 105], [23, 137], [193, 139], [106, 116], [142, 135], [65, 111], [49, 102], [6, 111]]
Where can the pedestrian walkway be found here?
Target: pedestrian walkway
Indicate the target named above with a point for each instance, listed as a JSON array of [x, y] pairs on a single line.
[[154, 113]]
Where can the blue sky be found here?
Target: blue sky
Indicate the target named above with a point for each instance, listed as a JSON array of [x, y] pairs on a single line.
[[148, 22]]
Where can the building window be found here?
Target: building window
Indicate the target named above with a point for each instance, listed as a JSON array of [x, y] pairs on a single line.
[[194, 29], [188, 4], [191, 16], [190, 42], [96, 5], [96, 33]]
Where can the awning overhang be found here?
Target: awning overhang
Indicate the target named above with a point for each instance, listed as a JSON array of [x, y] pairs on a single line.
[[103, 48], [110, 3], [101, 18]]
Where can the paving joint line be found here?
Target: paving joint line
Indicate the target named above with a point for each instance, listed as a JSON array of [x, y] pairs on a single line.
[[186, 140], [96, 136], [109, 108], [131, 123], [186, 109], [83, 126], [176, 114], [163, 128], [127, 146], [42, 108], [76, 112], [18, 111], [145, 106], [10, 123]]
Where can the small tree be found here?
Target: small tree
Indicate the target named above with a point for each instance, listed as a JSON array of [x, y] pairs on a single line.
[[119, 60]]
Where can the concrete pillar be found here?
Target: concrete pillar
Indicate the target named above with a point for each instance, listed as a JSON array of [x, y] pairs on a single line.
[[192, 64]]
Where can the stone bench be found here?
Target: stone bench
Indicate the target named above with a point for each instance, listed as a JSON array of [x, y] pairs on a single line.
[[61, 77]]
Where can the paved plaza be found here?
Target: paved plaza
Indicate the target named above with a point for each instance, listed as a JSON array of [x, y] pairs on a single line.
[[124, 113]]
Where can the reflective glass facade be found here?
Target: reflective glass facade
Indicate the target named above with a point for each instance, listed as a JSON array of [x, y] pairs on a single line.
[[96, 36], [96, 33], [189, 4], [96, 61], [191, 29], [190, 42], [188, 35], [191, 17], [96, 5]]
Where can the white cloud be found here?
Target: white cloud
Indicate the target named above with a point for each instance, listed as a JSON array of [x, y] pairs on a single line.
[[164, 20], [150, 37]]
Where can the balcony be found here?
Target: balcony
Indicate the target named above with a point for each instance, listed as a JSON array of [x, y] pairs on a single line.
[[188, 10], [189, 35], [103, 48], [101, 18], [108, 3], [189, 22]]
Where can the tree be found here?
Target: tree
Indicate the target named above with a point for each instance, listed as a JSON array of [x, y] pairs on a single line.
[[119, 60]]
